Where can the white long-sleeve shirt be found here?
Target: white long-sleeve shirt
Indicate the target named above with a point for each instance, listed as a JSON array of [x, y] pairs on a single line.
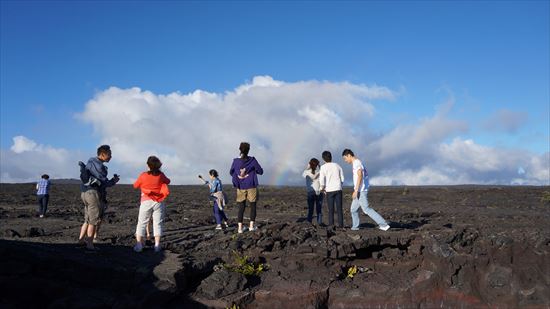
[[331, 177], [312, 180]]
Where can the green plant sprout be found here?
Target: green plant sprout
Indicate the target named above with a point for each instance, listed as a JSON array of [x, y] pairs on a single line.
[[242, 265]]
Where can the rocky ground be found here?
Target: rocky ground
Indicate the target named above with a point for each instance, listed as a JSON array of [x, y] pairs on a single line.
[[449, 247]]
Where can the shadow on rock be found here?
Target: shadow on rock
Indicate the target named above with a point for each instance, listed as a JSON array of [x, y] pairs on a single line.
[[38, 275]]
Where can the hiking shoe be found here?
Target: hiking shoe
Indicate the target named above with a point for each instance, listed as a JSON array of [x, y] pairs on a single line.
[[384, 227], [158, 249], [218, 227], [91, 249], [138, 247]]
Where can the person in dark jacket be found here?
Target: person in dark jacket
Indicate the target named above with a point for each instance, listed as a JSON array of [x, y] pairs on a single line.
[[94, 195], [244, 172]]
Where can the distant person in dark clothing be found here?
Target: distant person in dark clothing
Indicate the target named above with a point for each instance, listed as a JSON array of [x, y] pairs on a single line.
[[43, 194], [244, 171], [94, 194]]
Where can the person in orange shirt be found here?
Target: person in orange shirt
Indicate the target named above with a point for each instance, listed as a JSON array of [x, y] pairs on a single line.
[[154, 189]]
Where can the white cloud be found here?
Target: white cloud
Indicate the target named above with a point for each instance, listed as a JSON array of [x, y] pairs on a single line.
[[191, 133], [465, 162], [506, 121], [27, 160], [425, 175], [22, 144], [286, 124]]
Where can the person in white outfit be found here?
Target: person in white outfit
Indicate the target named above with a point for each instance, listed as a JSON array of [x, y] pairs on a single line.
[[360, 191], [314, 196], [331, 178]]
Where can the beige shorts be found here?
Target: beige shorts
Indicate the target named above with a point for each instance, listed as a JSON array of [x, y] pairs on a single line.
[[93, 207], [250, 195]]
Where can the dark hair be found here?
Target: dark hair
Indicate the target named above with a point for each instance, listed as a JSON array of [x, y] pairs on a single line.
[[213, 173], [313, 163], [46, 176], [244, 147], [327, 156], [154, 165], [347, 152], [103, 149]]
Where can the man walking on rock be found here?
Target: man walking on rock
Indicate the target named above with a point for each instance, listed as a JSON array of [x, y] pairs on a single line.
[[360, 190]]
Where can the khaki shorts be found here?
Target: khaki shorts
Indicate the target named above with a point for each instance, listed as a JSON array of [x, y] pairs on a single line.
[[248, 194], [93, 207]]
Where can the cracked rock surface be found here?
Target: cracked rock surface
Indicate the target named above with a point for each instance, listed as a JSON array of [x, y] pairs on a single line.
[[459, 246]]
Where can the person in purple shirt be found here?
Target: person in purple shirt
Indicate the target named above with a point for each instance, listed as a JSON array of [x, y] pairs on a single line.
[[244, 172]]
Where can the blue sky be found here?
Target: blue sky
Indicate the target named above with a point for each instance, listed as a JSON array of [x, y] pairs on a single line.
[[490, 58]]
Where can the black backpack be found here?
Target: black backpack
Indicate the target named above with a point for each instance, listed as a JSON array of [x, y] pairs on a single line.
[[86, 177], [84, 173]]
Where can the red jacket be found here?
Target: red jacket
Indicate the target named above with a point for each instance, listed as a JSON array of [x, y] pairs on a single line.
[[153, 187]]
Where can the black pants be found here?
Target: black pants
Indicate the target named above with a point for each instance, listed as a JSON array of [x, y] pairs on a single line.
[[335, 199], [314, 201], [43, 203], [252, 211]]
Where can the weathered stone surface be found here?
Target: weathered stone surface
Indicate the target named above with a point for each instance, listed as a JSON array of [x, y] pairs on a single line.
[[222, 283], [452, 247]]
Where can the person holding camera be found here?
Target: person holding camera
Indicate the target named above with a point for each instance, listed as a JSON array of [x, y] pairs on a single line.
[[94, 194]]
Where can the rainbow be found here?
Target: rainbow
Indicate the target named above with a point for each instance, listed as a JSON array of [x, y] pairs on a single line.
[[282, 170]]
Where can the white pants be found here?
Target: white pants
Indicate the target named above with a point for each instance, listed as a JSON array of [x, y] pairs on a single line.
[[146, 210]]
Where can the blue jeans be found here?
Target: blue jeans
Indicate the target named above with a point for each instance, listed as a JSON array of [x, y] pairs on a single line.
[[314, 201], [362, 202], [219, 214], [43, 203]]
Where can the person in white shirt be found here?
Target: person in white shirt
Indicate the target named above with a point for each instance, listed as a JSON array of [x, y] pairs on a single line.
[[314, 196], [331, 178], [360, 191]]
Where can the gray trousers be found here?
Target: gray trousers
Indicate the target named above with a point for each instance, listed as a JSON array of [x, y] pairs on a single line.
[[146, 210]]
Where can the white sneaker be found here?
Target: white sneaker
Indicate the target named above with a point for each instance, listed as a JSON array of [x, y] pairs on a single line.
[[218, 227], [138, 247], [41, 216], [252, 229], [384, 227]]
